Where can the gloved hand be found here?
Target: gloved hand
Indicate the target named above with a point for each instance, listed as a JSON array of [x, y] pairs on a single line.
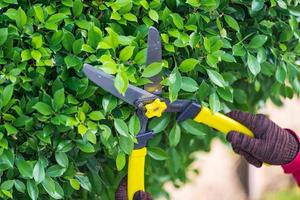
[[272, 144], [121, 193]]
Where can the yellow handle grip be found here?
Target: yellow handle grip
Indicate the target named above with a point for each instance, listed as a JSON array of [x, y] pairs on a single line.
[[221, 122], [136, 166]]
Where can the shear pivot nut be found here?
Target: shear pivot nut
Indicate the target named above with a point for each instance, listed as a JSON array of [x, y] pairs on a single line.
[[155, 108]]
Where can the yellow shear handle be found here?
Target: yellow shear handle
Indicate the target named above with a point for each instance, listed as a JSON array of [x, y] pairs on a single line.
[[136, 167], [221, 122]]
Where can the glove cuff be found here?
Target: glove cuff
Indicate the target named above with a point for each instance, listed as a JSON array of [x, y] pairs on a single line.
[[294, 165]]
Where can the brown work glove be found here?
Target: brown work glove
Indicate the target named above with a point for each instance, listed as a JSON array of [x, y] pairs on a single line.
[[272, 144], [121, 193]]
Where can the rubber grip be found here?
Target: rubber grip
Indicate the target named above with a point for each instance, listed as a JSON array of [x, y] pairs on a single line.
[[221, 122], [136, 167]]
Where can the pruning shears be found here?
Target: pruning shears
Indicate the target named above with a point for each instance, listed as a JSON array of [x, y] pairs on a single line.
[[149, 104]]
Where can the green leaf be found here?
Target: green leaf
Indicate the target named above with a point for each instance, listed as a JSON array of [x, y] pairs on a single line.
[[59, 99], [227, 57], [7, 158], [226, 93], [126, 144], [216, 78], [7, 94], [152, 69], [159, 124], [85, 147], [110, 42], [82, 129], [20, 186], [120, 161], [140, 57], [43, 108], [194, 128], [204, 91], [4, 34], [153, 15], [11, 1], [174, 82], [177, 20], [56, 18], [26, 55], [281, 72], [7, 185], [232, 22], [109, 65], [24, 168], [257, 41], [21, 18], [214, 102], [38, 172], [7, 193], [77, 45], [188, 65], [189, 84], [130, 17], [157, 153], [294, 10], [94, 36], [72, 61], [121, 127], [194, 3], [32, 189], [75, 184], [49, 185], [84, 182], [253, 64], [37, 41], [134, 125], [11, 130], [77, 8], [121, 82], [56, 38], [36, 55], [238, 50], [55, 171], [257, 5], [39, 13], [68, 40], [126, 53], [96, 115], [175, 135], [62, 159], [68, 3]]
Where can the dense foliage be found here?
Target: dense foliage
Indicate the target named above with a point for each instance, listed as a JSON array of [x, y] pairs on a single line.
[[61, 136]]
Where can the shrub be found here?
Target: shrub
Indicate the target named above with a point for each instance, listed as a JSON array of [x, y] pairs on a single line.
[[62, 136]]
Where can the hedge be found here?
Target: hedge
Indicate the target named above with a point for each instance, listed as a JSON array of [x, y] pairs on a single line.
[[62, 137]]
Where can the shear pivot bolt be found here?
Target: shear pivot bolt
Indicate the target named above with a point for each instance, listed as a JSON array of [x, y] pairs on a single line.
[[155, 108]]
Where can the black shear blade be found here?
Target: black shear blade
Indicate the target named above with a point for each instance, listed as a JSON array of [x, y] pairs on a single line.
[[154, 55], [106, 82]]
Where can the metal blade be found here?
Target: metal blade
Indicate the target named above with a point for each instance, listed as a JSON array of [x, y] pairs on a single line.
[[154, 55], [106, 82]]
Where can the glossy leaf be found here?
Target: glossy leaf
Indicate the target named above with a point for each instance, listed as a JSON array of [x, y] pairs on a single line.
[[216, 78], [188, 65], [175, 135], [38, 172], [253, 65], [152, 69]]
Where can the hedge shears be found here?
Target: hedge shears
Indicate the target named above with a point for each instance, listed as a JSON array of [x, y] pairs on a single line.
[[149, 104]]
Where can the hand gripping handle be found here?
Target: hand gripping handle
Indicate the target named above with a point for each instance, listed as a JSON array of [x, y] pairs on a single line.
[[221, 122]]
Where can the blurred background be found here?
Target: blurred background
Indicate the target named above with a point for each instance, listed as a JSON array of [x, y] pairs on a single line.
[[225, 176]]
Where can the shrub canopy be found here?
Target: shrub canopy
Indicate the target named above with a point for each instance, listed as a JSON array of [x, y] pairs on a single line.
[[62, 136]]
